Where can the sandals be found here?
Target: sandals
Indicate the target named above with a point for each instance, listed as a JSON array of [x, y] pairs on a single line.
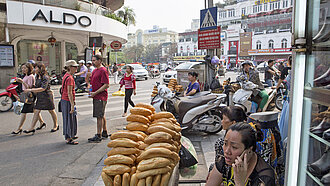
[[71, 142]]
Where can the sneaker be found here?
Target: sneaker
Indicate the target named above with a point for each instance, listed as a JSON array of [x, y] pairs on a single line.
[[124, 115], [95, 139], [105, 134]]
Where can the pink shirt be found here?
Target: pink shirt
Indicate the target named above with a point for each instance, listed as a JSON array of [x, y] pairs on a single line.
[[29, 80]]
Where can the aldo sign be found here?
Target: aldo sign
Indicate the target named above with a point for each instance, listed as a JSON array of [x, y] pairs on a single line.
[[66, 18]]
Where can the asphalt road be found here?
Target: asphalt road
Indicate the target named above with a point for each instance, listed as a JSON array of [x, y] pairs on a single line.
[[45, 158]]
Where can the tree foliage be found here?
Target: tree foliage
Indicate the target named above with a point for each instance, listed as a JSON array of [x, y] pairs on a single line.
[[127, 15]]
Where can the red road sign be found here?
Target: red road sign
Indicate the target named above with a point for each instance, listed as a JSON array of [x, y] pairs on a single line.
[[116, 45], [209, 39]]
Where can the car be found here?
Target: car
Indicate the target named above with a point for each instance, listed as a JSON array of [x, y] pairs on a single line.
[[139, 71], [261, 67], [183, 66]]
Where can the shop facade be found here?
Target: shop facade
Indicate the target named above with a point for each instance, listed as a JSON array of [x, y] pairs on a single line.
[[307, 159], [54, 35]]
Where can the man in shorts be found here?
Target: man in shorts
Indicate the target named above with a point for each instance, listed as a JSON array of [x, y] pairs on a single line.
[[99, 93]]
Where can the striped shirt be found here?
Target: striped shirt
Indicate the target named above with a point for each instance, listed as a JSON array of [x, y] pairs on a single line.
[[129, 81]]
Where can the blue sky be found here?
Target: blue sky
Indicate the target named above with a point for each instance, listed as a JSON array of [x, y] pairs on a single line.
[[176, 15]]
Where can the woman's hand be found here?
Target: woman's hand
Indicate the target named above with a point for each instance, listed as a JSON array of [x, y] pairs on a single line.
[[19, 80], [134, 92], [72, 108], [240, 170], [28, 90]]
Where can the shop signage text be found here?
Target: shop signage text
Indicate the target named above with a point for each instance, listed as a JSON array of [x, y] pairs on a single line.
[[68, 19], [270, 51], [259, 2], [209, 39]]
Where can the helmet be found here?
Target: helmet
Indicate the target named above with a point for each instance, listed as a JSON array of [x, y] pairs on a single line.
[[89, 62], [247, 62], [31, 61], [215, 60], [81, 61]]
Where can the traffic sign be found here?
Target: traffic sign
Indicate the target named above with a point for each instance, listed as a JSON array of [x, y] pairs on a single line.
[[116, 45], [209, 39], [209, 18]]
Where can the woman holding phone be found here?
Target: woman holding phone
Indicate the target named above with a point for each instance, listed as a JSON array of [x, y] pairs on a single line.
[[241, 165]]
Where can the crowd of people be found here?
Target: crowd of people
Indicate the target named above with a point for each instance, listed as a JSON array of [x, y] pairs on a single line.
[[94, 73]]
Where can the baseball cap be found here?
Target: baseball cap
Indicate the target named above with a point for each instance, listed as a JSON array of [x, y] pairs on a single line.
[[89, 62], [81, 61]]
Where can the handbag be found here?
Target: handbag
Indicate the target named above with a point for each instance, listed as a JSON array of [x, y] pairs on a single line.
[[18, 106], [59, 106], [26, 97]]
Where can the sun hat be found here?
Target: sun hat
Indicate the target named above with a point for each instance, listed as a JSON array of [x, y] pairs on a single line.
[[71, 63]]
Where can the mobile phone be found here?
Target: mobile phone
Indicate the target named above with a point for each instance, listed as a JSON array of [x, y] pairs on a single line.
[[243, 153]]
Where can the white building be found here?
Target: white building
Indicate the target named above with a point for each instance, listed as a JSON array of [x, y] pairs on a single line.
[[268, 21], [29, 28]]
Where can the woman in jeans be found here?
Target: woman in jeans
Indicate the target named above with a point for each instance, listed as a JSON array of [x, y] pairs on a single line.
[[45, 100], [129, 81], [68, 105], [27, 83]]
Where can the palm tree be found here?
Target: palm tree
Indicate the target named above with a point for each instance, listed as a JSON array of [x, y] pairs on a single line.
[[128, 15]]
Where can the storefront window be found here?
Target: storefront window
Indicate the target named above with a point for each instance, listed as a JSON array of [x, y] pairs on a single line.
[[71, 51], [40, 51]]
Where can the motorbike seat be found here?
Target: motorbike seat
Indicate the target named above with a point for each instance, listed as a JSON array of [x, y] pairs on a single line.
[[189, 103]]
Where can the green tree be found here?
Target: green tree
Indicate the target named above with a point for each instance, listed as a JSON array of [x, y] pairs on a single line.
[[128, 15], [134, 53]]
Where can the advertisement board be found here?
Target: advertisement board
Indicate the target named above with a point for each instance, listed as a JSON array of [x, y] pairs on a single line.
[[209, 39], [245, 43], [7, 56]]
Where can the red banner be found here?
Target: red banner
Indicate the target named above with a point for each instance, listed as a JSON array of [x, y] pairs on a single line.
[[209, 39]]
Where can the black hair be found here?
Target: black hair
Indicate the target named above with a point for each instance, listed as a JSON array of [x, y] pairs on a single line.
[[98, 57], [234, 113], [29, 67], [42, 69], [290, 60], [193, 74], [130, 67], [271, 61], [250, 136]]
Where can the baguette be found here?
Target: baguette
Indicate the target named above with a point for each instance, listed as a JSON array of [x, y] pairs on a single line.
[[158, 137], [118, 159], [168, 125], [141, 133], [138, 118], [136, 126], [141, 111], [126, 134], [157, 152], [152, 172], [134, 180], [165, 179], [149, 181], [122, 142], [162, 115], [133, 171], [113, 170], [126, 179], [123, 151], [153, 163], [142, 145], [117, 180], [163, 145], [156, 180], [147, 106], [108, 180], [159, 128], [142, 182]]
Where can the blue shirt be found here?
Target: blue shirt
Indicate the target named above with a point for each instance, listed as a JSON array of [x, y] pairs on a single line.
[[193, 86]]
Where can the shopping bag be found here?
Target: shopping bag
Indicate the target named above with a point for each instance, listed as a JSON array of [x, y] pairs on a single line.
[[187, 153], [18, 106], [118, 93]]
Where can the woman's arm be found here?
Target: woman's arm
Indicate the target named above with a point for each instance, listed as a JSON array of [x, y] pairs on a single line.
[[70, 95], [215, 178], [192, 92], [35, 90]]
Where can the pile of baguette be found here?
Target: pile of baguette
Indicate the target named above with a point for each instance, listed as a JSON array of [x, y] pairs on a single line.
[[171, 85], [154, 91], [146, 153]]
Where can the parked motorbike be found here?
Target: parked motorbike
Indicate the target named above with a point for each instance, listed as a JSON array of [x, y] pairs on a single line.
[[11, 94], [281, 96], [201, 112], [247, 97], [55, 79]]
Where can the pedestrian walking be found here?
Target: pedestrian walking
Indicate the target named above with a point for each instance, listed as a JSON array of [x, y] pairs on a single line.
[[45, 100], [27, 83], [69, 113], [115, 72], [100, 84], [129, 81]]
